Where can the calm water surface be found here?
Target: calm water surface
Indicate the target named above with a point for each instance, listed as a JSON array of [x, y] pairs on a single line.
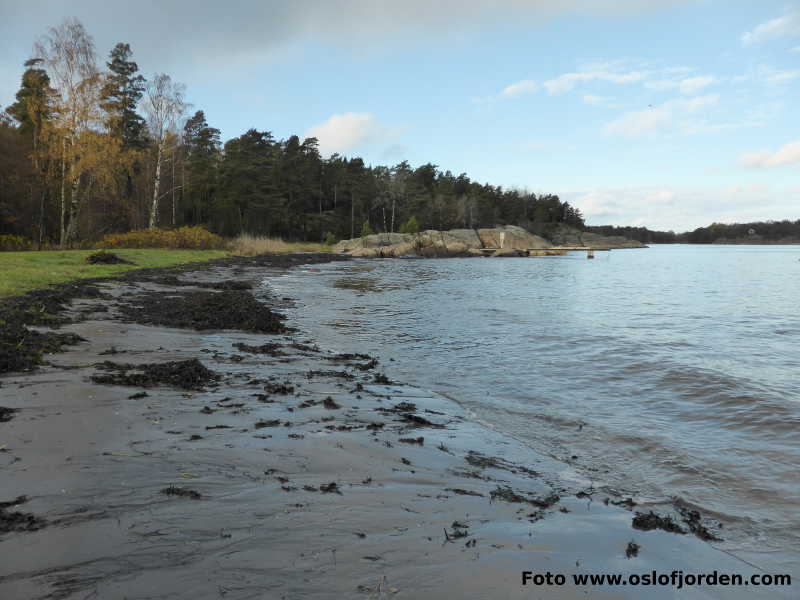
[[681, 364]]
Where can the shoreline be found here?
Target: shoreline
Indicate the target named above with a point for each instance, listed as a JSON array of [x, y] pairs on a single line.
[[310, 475]]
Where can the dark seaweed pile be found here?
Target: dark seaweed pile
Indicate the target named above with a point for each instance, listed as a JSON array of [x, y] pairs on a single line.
[[6, 414], [18, 521], [22, 349], [204, 310], [106, 258], [184, 374], [228, 284]]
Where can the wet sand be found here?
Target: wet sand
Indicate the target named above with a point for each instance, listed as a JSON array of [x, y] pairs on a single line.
[[289, 472]]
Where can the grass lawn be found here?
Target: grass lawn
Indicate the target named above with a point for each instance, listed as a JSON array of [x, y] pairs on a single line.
[[23, 271]]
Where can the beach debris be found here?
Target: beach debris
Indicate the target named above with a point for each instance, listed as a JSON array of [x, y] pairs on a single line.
[[181, 492], [382, 379], [419, 440], [693, 521], [339, 374], [271, 349], [184, 374], [281, 389], [330, 488], [509, 495], [138, 395], [462, 492], [632, 550], [627, 503], [270, 423], [305, 347], [331, 404], [459, 530], [417, 421], [650, 521]]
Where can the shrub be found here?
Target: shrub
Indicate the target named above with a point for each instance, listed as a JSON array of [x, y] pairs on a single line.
[[191, 238], [410, 226], [330, 239], [366, 229], [14, 242]]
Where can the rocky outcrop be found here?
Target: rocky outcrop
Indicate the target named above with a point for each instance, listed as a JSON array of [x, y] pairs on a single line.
[[508, 241], [497, 241]]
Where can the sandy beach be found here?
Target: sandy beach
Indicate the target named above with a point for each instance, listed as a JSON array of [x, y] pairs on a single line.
[[251, 463]]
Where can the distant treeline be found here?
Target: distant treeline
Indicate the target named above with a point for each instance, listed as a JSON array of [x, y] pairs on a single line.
[[759, 232], [86, 151], [745, 233], [641, 234]]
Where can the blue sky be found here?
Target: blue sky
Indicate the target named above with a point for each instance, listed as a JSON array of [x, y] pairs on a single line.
[[665, 113]]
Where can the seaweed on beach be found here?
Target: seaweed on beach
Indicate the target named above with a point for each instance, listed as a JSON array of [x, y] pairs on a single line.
[[331, 404], [6, 414], [462, 492], [340, 374], [476, 459], [649, 521], [184, 374], [330, 488], [170, 280], [271, 349], [507, 494], [282, 389], [204, 310], [18, 521], [182, 492], [23, 349], [693, 521]]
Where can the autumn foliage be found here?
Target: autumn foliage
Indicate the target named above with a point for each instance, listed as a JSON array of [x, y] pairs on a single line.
[[189, 238]]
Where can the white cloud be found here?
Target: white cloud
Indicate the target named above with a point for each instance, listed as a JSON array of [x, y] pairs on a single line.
[[514, 90], [683, 209], [786, 25], [596, 100], [568, 81], [689, 85], [778, 77], [520, 88], [785, 155], [346, 131], [671, 115]]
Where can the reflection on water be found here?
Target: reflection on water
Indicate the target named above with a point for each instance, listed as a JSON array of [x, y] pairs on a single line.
[[668, 372]]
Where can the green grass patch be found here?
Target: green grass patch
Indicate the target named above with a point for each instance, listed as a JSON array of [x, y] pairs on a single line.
[[24, 271]]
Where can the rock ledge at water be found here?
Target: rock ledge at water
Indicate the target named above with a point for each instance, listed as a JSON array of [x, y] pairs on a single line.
[[508, 240]]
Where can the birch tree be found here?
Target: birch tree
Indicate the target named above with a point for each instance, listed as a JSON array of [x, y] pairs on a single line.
[[164, 104], [68, 53]]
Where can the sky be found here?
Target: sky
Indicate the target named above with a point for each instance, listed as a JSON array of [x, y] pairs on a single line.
[[671, 114]]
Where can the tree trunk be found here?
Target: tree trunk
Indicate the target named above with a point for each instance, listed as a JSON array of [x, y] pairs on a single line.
[[156, 182], [74, 208], [393, 201], [352, 216], [173, 188], [63, 233]]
